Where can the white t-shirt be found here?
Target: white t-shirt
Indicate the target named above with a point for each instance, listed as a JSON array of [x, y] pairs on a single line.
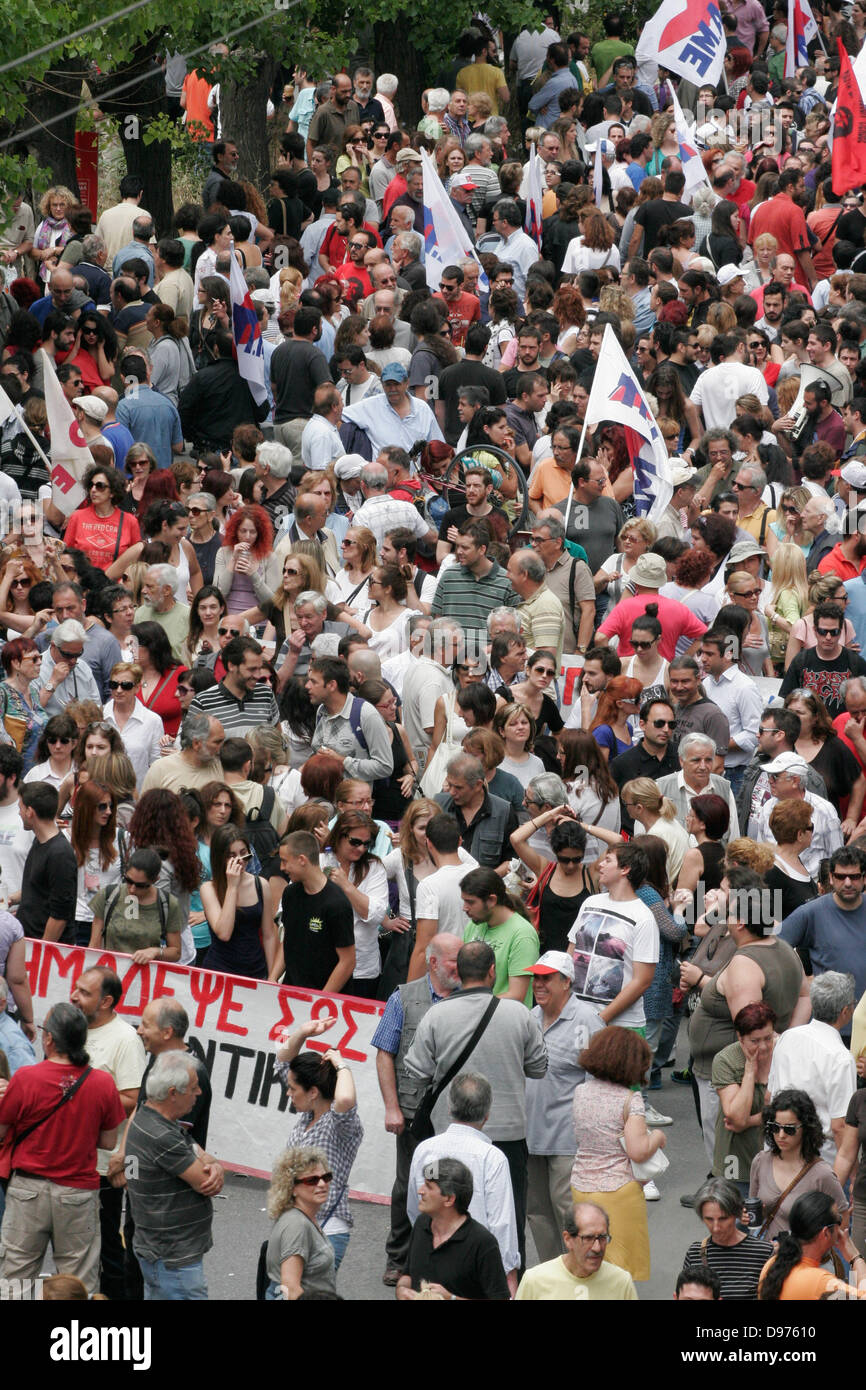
[[15, 844], [718, 388], [609, 937], [439, 897]]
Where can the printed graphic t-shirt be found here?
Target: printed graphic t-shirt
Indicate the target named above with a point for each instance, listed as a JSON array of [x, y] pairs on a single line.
[[609, 937]]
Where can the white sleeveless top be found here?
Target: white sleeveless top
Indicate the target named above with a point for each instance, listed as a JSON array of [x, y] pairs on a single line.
[[181, 581]]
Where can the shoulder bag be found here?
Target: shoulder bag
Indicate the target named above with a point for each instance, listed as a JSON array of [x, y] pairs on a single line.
[[770, 1212], [421, 1126]]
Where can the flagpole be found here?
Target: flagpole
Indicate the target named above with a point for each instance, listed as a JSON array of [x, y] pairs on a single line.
[[576, 461]]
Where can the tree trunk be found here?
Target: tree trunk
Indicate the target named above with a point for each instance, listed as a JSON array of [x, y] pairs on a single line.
[[147, 94], [394, 54], [54, 145], [243, 115]]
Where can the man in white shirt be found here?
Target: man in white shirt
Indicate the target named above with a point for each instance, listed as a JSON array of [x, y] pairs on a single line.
[[813, 1058], [429, 678], [469, 1100], [514, 247], [737, 697], [787, 776], [718, 388], [439, 905], [321, 444], [395, 417], [615, 941], [115, 224], [381, 513]]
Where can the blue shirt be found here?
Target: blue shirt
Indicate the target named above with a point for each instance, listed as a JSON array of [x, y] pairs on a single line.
[[637, 174], [15, 1044], [856, 609], [120, 440], [546, 102], [834, 938], [135, 250], [153, 420]]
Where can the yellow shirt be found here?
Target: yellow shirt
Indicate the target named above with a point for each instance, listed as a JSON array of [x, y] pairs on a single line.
[[554, 1281], [482, 77], [543, 618], [754, 523]]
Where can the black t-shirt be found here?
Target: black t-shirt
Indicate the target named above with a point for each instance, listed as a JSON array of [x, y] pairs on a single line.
[[839, 768], [658, 212], [468, 1265], [49, 887], [457, 515], [467, 374], [808, 672], [688, 373], [637, 762], [722, 250], [195, 1124], [852, 227], [316, 924], [206, 554], [285, 216], [297, 368]]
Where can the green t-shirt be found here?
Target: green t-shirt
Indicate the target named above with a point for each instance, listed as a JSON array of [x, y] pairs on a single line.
[[515, 946], [733, 1153], [175, 624], [604, 53], [134, 926]]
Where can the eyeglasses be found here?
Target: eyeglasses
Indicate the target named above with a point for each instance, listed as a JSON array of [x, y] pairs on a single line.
[[288, 571], [569, 859], [55, 738], [544, 670], [790, 1130], [314, 1179], [358, 844], [641, 646], [792, 510], [742, 487], [22, 583], [104, 806], [197, 511], [100, 726], [663, 723], [745, 593], [357, 245], [758, 344], [69, 656], [594, 1240], [851, 877], [136, 882], [828, 631], [99, 487], [123, 685]]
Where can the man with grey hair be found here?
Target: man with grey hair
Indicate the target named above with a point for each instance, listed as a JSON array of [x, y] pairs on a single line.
[[138, 248], [479, 153], [568, 579], [273, 465], [163, 1028], [400, 1092], [427, 678], [788, 774], [380, 512], [386, 90], [813, 1058], [697, 755], [514, 247], [91, 266], [541, 613], [161, 606], [311, 614], [406, 252], [170, 1182], [754, 516], [469, 1100], [501, 620], [101, 649], [197, 763], [61, 678], [486, 822]]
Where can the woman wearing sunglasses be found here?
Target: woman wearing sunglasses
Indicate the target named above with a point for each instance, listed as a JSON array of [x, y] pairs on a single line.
[[744, 591], [140, 729], [541, 669], [139, 463], [137, 917], [16, 610], [350, 863], [647, 665], [322, 1091], [300, 1259], [791, 1164], [93, 835], [239, 909], [23, 716], [54, 751]]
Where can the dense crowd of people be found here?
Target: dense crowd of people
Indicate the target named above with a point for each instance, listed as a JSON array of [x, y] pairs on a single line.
[[291, 695]]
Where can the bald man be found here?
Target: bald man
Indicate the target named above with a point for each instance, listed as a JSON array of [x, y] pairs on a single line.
[[62, 297], [118, 436]]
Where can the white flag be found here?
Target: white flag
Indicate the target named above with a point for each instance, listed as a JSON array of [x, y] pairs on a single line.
[[534, 198], [687, 38], [7, 410], [247, 335], [446, 240], [616, 396], [597, 174], [802, 29], [693, 166], [70, 456]]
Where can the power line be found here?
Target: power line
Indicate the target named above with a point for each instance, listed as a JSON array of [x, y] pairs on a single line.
[[134, 82], [70, 38]]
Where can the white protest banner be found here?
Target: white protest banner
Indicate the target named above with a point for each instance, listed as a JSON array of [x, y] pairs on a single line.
[[235, 1026], [70, 456]]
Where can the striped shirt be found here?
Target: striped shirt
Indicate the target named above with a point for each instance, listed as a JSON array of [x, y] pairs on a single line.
[[238, 716], [738, 1266], [172, 1220], [468, 599]]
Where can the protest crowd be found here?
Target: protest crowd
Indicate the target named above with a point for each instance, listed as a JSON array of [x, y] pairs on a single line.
[[468, 423]]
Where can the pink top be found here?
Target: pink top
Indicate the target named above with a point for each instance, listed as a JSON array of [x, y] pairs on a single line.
[[677, 621], [601, 1163]]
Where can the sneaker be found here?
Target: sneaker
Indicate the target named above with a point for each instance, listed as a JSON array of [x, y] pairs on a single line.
[[687, 1199], [391, 1275], [651, 1192], [682, 1078], [652, 1117]]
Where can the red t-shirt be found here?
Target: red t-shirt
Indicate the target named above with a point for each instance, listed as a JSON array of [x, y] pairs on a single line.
[[835, 563], [86, 364], [62, 1149], [349, 271], [334, 246], [97, 535], [461, 312], [783, 219], [839, 725], [676, 620]]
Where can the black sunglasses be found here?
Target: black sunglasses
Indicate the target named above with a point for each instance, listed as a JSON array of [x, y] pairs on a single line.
[[121, 685], [136, 883], [358, 843]]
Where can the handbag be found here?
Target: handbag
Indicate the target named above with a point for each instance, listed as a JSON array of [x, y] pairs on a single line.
[[421, 1125], [433, 779], [396, 967], [651, 1167], [14, 724], [11, 1140]]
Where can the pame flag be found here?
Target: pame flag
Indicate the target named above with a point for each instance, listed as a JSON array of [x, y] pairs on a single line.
[[693, 166], [687, 38], [617, 396], [534, 198], [247, 335], [446, 240], [802, 29], [70, 456]]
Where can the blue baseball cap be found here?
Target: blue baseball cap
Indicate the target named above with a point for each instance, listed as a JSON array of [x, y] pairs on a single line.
[[395, 371]]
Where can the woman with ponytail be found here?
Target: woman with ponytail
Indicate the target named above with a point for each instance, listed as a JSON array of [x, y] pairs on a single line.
[[322, 1091], [795, 1274], [170, 355]]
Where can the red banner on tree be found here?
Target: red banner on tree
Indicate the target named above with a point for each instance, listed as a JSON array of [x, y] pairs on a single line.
[[849, 131]]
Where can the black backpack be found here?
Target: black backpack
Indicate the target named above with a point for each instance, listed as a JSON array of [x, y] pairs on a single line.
[[262, 835]]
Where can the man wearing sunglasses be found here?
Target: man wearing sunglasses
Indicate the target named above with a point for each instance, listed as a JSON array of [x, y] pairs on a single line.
[[62, 676], [653, 756], [101, 649], [832, 928], [754, 515], [826, 667]]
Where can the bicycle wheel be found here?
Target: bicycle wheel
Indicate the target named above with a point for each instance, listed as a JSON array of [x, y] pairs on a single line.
[[496, 461]]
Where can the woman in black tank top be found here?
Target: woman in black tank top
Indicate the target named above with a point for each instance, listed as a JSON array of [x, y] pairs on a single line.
[[563, 886], [708, 819]]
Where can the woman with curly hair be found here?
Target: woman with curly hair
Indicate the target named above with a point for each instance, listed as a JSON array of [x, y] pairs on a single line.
[[93, 835], [299, 1259], [161, 823], [248, 542], [351, 864], [567, 307], [54, 230], [100, 527], [22, 713], [167, 522], [594, 249], [16, 610], [239, 909], [94, 351], [322, 1092], [816, 1231]]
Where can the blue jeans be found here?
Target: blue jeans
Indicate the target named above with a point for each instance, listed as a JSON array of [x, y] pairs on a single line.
[[735, 776], [339, 1244], [161, 1285]]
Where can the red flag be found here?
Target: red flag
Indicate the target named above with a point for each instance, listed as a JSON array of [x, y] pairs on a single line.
[[849, 132]]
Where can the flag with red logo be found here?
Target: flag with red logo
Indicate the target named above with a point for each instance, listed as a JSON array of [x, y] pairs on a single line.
[[617, 396], [70, 456], [687, 38], [693, 166], [802, 29], [247, 335], [534, 197], [849, 131]]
